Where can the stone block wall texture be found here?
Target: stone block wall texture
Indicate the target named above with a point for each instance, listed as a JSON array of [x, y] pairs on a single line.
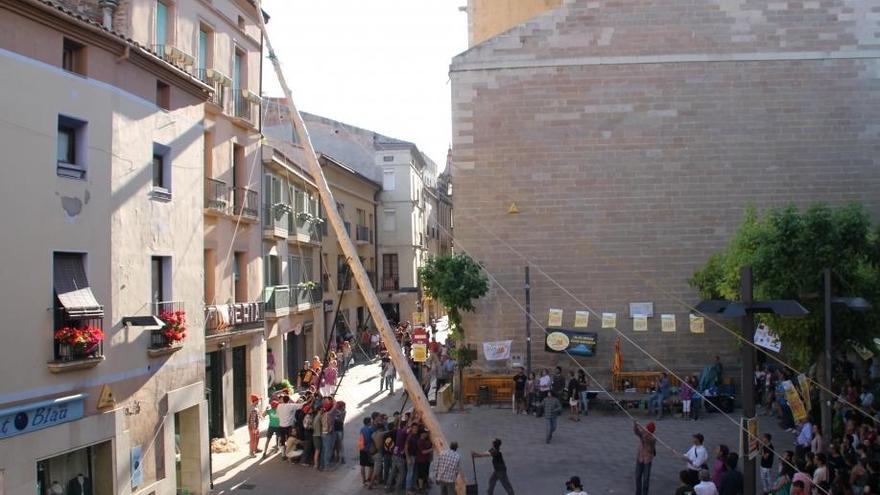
[[632, 135]]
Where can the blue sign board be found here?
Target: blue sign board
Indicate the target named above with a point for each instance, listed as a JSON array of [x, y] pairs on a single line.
[[31, 417], [580, 344]]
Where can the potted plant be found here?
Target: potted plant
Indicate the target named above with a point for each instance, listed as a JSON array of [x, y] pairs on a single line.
[[77, 342], [174, 330]]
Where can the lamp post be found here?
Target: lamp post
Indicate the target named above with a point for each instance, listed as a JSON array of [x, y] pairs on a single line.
[[745, 309], [853, 303]]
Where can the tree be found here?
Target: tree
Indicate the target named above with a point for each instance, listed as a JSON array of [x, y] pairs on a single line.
[[455, 281], [788, 250]]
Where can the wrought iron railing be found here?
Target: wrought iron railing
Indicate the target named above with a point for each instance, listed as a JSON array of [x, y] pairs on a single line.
[[245, 203], [390, 283], [363, 233], [216, 195], [64, 351], [277, 298]]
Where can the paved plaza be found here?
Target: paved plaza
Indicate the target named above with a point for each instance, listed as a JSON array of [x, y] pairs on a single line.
[[600, 449]]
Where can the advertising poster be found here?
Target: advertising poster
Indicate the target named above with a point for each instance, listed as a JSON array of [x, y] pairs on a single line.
[[667, 323], [794, 401], [640, 323], [609, 320], [497, 351], [698, 324], [581, 319], [765, 338], [555, 319], [750, 425], [579, 344]]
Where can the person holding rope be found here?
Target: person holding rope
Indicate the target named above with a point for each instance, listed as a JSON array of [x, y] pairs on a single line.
[[499, 468], [644, 456]]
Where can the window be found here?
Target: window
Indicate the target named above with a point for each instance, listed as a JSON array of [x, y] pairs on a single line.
[[163, 95], [389, 223], [389, 271], [161, 172], [388, 158], [388, 179], [160, 278], [161, 24], [272, 270], [342, 276], [71, 148], [73, 57], [361, 217], [204, 60], [239, 276]]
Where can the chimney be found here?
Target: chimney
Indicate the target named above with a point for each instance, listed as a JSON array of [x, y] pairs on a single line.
[[108, 6]]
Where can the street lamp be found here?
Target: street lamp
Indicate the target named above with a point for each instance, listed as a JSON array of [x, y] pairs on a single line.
[[745, 310], [853, 303]]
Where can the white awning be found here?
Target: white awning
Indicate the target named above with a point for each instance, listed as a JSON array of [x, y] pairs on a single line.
[[72, 288]]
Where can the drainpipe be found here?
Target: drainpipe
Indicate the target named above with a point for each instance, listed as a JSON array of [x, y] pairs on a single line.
[[108, 7]]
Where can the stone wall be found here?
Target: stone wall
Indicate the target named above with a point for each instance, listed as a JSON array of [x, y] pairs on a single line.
[[632, 135]]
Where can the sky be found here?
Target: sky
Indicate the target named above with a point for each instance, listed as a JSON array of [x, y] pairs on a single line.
[[378, 64]]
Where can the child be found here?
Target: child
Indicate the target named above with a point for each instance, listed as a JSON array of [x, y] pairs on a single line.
[[686, 393]]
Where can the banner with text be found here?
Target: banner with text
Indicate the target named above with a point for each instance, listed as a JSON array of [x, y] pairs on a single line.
[[581, 344]]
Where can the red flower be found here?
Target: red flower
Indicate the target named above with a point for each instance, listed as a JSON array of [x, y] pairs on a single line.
[[175, 326], [81, 340]]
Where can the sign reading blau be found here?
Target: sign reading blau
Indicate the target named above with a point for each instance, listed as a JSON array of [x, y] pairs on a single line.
[[30, 417]]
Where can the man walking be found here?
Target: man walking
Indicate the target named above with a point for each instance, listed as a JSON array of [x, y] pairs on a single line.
[[499, 468], [446, 469], [552, 410], [645, 456]]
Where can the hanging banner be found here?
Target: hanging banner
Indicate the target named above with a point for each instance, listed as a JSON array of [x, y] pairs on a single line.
[[804, 383], [609, 320], [698, 324], [640, 323], [667, 323], [753, 444], [862, 351], [794, 401], [418, 318], [581, 344], [555, 319], [497, 351], [765, 338], [581, 319], [419, 353]]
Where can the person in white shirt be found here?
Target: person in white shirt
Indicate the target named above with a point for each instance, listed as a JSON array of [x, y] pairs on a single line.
[[705, 486], [697, 455], [286, 411], [544, 383], [574, 484]]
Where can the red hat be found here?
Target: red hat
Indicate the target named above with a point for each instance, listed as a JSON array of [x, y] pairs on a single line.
[[651, 427], [255, 398], [274, 404]]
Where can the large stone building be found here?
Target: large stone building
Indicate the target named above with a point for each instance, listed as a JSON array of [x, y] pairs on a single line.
[[105, 205], [630, 136]]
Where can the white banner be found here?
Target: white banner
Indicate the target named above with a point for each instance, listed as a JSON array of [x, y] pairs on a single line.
[[765, 338], [497, 351]]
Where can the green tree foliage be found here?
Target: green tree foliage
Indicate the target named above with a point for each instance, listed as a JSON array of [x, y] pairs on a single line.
[[788, 250], [455, 281]]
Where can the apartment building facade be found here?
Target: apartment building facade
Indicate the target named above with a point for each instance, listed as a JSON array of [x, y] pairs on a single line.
[[630, 138], [345, 309], [101, 394]]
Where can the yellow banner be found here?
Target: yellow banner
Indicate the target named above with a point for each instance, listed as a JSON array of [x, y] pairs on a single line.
[[555, 319], [667, 323], [698, 324], [804, 383], [419, 353], [794, 401], [640, 323]]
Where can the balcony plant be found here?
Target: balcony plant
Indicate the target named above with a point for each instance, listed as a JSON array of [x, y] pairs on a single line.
[[79, 341], [308, 284], [174, 330]]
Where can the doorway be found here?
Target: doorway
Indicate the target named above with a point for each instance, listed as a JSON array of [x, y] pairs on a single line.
[[295, 353], [392, 312], [214, 368], [239, 386]]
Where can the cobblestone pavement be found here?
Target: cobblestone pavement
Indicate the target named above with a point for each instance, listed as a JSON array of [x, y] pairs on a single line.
[[600, 449]]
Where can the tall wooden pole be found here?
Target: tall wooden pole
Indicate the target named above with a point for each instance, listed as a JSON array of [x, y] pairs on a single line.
[[748, 378], [410, 383]]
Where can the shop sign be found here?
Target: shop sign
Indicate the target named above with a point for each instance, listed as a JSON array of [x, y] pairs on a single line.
[[31, 417], [420, 336], [419, 353]]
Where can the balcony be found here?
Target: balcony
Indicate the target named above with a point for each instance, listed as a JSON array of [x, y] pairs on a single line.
[[277, 301], [219, 82], [245, 204], [67, 357], [166, 311], [216, 197], [245, 106], [302, 228], [223, 319], [173, 55], [362, 234], [302, 298], [275, 220], [325, 282], [347, 228], [390, 283]]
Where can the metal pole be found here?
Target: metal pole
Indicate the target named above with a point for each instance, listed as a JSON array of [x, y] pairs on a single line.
[[748, 378], [410, 383], [528, 324], [826, 397]]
